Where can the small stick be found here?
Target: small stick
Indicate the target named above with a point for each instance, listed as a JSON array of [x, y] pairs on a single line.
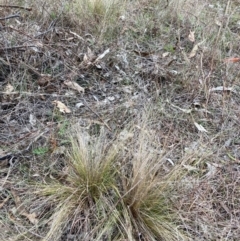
[[50, 28], [85, 103], [43, 33], [11, 16], [16, 47], [32, 69], [15, 6], [33, 94], [12, 155]]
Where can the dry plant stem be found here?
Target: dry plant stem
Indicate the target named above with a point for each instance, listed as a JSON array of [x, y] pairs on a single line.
[[34, 94], [11, 156], [24, 234], [20, 48], [85, 103], [9, 171], [227, 7], [205, 80], [41, 34], [17, 30], [213, 54], [11, 16], [15, 6], [31, 69], [121, 198], [219, 31], [215, 44], [50, 28], [19, 139]]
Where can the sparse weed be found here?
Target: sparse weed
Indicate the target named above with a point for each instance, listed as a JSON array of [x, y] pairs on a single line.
[[63, 128], [40, 151], [98, 17]]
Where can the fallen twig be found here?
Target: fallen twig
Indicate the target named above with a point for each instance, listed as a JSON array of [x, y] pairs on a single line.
[[35, 94], [11, 16], [10, 156], [32, 69], [100, 118], [50, 28], [15, 6], [16, 48]]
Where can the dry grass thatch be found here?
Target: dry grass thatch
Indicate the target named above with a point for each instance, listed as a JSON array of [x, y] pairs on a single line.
[[119, 120]]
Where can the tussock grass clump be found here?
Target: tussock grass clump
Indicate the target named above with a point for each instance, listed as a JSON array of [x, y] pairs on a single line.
[[89, 179], [98, 17], [146, 192], [112, 191]]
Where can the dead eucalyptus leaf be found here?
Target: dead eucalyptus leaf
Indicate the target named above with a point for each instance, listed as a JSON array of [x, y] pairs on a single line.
[[101, 56], [8, 92], [194, 51], [190, 168], [142, 53], [191, 36], [165, 54], [21, 210], [8, 89], [125, 135], [80, 104], [43, 81], [200, 127], [76, 35], [17, 199], [222, 88], [31, 217], [74, 86], [85, 58], [188, 111], [4, 201], [32, 120], [232, 60], [218, 22], [62, 107], [170, 161], [212, 170], [90, 54]]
